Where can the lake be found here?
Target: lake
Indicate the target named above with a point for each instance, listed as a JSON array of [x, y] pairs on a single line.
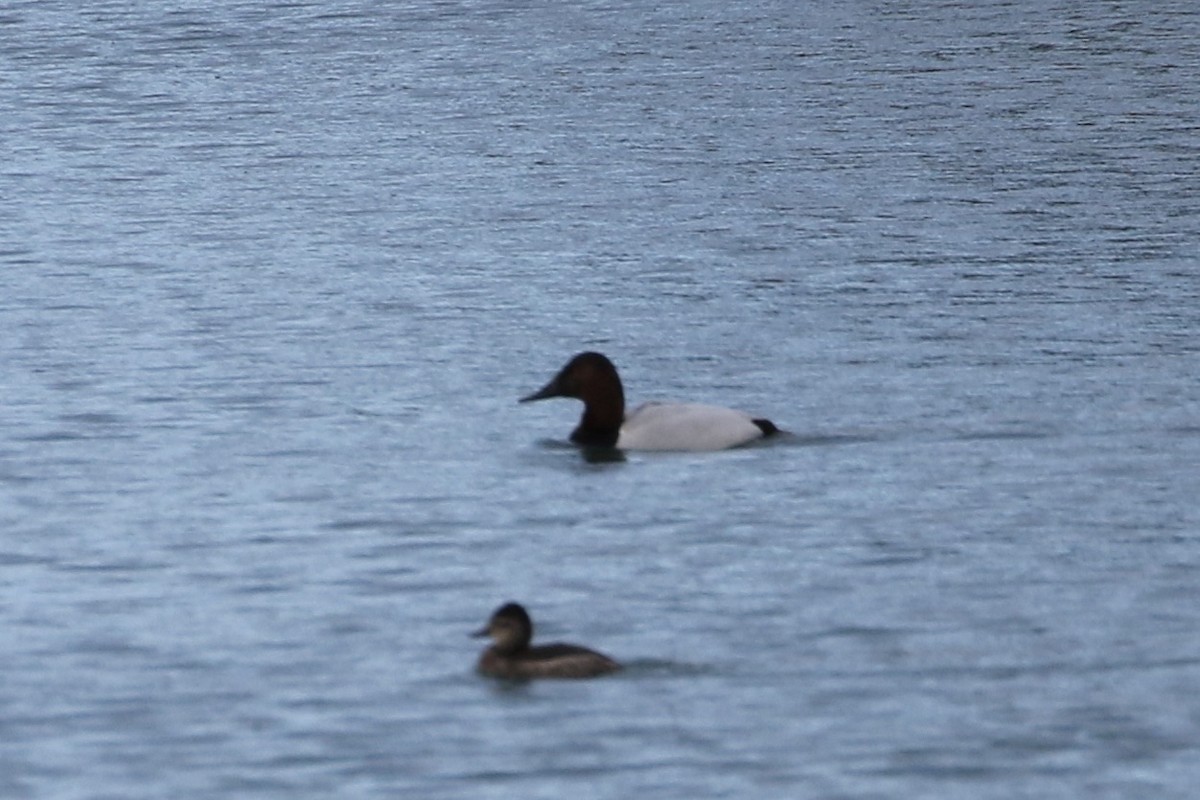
[[276, 273]]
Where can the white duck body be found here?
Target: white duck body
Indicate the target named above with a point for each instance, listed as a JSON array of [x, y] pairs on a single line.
[[686, 426]]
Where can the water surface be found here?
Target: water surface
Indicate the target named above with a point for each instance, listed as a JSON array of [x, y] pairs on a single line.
[[275, 275]]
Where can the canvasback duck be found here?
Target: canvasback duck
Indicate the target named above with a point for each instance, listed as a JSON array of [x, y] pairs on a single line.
[[592, 378], [512, 658]]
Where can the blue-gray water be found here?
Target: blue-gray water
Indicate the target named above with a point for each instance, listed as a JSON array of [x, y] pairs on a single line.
[[274, 274]]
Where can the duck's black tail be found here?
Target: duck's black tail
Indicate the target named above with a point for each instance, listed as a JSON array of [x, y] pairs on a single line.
[[766, 426]]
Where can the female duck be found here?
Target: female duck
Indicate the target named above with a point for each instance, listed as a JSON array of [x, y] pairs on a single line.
[[512, 658], [592, 378]]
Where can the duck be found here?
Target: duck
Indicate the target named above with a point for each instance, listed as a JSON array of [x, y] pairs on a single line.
[[592, 378], [511, 657]]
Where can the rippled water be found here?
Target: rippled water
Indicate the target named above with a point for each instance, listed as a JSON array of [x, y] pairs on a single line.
[[275, 274]]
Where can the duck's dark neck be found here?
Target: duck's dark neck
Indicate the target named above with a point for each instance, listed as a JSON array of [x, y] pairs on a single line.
[[603, 413], [589, 436], [507, 648]]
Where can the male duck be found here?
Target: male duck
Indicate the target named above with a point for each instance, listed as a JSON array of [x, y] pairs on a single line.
[[592, 378], [512, 658]]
